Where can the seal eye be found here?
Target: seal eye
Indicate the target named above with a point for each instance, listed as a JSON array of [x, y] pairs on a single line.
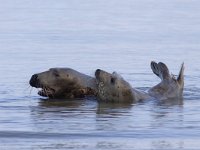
[[112, 80]]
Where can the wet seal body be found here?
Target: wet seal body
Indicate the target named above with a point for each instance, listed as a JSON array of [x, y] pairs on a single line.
[[113, 88], [63, 83], [169, 87]]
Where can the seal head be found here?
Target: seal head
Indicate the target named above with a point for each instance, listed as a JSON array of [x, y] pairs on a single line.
[[63, 83], [113, 88]]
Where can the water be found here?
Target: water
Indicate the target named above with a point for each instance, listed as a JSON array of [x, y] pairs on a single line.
[[114, 35]]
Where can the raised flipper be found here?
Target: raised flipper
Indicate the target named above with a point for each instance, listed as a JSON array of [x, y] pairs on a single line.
[[180, 78], [154, 67], [160, 70]]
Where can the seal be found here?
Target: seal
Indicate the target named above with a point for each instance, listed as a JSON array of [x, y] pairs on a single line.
[[63, 83], [113, 88], [170, 87]]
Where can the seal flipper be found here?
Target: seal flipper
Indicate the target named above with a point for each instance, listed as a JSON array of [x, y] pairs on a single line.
[[160, 70], [180, 77], [154, 67], [163, 70]]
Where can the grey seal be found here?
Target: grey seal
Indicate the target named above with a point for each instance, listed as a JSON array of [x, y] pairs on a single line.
[[63, 83], [113, 88]]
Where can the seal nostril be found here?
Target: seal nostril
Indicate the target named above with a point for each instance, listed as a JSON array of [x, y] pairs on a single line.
[[33, 80], [35, 76], [97, 72]]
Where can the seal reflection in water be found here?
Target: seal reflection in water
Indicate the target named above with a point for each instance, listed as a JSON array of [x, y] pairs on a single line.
[[113, 88], [169, 87], [63, 83]]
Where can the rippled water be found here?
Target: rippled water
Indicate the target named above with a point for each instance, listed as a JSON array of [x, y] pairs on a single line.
[[114, 35]]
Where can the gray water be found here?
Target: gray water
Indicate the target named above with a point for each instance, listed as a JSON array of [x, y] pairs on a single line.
[[114, 35]]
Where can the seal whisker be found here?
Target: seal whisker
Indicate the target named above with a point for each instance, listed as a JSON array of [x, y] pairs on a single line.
[[27, 88], [30, 91], [46, 91]]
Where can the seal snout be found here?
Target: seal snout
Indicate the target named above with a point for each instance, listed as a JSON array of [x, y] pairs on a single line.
[[97, 73], [34, 80]]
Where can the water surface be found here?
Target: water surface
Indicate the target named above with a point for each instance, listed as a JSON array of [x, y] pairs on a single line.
[[114, 35]]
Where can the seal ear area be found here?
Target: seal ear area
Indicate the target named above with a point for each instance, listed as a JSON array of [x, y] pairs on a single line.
[[127, 95], [127, 92], [180, 78]]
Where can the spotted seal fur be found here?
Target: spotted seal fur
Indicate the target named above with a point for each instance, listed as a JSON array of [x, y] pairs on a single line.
[[63, 83]]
